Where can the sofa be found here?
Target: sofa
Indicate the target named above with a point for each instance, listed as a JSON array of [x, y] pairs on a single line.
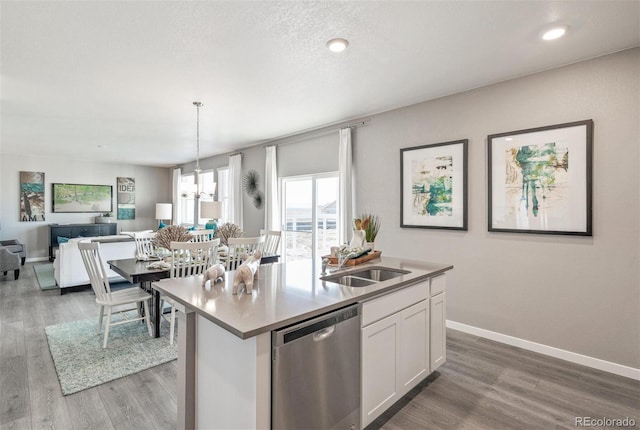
[[68, 267]]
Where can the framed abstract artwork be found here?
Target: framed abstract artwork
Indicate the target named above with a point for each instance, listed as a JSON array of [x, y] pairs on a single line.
[[540, 180], [32, 196], [433, 186]]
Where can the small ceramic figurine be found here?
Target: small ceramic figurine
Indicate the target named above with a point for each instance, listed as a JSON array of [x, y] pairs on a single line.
[[214, 273], [246, 273]]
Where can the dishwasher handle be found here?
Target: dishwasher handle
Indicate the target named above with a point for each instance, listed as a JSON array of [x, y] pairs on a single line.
[[324, 333], [323, 325]]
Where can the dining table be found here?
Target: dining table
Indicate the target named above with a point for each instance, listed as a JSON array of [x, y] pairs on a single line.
[[140, 272], [143, 273]]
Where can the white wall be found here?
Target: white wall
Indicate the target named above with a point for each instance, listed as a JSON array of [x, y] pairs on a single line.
[[153, 184], [580, 294]]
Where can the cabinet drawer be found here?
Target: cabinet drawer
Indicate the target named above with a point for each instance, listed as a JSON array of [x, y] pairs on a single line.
[[438, 285], [376, 309]]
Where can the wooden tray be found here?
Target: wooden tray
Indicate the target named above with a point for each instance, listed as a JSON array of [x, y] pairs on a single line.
[[370, 256]]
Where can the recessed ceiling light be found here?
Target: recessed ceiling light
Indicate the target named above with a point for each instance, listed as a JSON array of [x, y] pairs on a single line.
[[338, 44], [554, 33]]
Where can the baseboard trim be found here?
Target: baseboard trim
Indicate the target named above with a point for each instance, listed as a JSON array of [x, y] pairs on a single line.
[[596, 363], [36, 259]]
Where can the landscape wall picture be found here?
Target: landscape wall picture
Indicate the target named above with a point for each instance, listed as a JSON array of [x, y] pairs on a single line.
[[82, 198]]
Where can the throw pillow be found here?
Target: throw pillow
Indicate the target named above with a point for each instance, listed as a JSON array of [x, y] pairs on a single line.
[[62, 239]]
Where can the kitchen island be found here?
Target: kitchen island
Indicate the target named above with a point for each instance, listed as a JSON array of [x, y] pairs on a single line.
[[224, 378]]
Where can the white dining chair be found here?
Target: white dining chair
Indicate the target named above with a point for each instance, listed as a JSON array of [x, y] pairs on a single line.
[[271, 241], [187, 259], [202, 235], [238, 246], [90, 252], [144, 244]]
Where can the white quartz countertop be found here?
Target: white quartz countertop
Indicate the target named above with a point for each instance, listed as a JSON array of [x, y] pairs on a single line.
[[285, 294]]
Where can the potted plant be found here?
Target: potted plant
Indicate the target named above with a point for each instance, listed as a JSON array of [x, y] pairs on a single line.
[[105, 218], [371, 225]]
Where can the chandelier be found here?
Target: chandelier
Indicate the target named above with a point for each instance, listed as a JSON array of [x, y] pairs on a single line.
[[197, 189]]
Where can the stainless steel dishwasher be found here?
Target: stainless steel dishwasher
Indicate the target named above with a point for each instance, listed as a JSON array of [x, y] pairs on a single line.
[[316, 373]]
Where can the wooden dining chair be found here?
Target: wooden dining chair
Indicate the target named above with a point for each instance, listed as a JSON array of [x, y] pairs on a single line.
[[144, 245], [187, 259], [271, 241], [240, 245], [90, 252]]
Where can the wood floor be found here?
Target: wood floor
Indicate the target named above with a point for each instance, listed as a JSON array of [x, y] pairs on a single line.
[[483, 384]]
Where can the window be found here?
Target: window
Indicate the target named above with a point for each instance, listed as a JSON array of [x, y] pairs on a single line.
[[187, 183], [223, 192], [310, 215], [187, 193]]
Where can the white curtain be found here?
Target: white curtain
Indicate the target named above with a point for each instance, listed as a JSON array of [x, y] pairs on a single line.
[[235, 189], [271, 201], [177, 216], [346, 194]]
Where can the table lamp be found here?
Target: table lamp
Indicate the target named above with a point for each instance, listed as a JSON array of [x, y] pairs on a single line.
[[163, 211], [212, 211]]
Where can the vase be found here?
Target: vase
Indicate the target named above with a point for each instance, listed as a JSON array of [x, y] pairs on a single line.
[[371, 246]]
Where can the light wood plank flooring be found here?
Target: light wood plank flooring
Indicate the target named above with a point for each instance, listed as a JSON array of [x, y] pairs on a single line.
[[483, 384]]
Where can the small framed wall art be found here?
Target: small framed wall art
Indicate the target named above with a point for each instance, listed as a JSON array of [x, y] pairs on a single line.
[[126, 198], [433, 186], [540, 180]]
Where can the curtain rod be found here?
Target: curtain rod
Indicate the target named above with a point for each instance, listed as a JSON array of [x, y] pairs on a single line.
[[311, 133]]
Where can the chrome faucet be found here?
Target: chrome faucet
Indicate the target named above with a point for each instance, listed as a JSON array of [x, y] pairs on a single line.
[[343, 258]]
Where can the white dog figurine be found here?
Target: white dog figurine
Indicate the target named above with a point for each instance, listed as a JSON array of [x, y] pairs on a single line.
[[246, 273], [214, 273]]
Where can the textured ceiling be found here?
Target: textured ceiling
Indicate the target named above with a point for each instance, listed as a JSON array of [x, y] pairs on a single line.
[[77, 75]]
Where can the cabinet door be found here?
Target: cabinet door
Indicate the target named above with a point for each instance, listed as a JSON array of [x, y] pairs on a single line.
[[438, 330], [414, 346], [108, 229], [379, 364]]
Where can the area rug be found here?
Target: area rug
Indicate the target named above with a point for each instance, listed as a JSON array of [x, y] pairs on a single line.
[[81, 363], [44, 276]]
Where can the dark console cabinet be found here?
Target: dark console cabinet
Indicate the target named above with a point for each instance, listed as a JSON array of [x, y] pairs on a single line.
[[76, 230]]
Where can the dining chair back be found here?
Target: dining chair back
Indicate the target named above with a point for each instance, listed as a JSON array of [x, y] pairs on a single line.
[[188, 259], [144, 244], [192, 258], [271, 241], [238, 246], [202, 235], [90, 253]]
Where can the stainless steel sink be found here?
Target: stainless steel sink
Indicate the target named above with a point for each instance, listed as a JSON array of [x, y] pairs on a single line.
[[365, 277], [379, 274], [349, 281]]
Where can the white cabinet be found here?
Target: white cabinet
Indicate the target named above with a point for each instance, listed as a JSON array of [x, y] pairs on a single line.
[[438, 329], [438, 325], [379, 376], [414, 346], [397, 351], [403, 340]]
